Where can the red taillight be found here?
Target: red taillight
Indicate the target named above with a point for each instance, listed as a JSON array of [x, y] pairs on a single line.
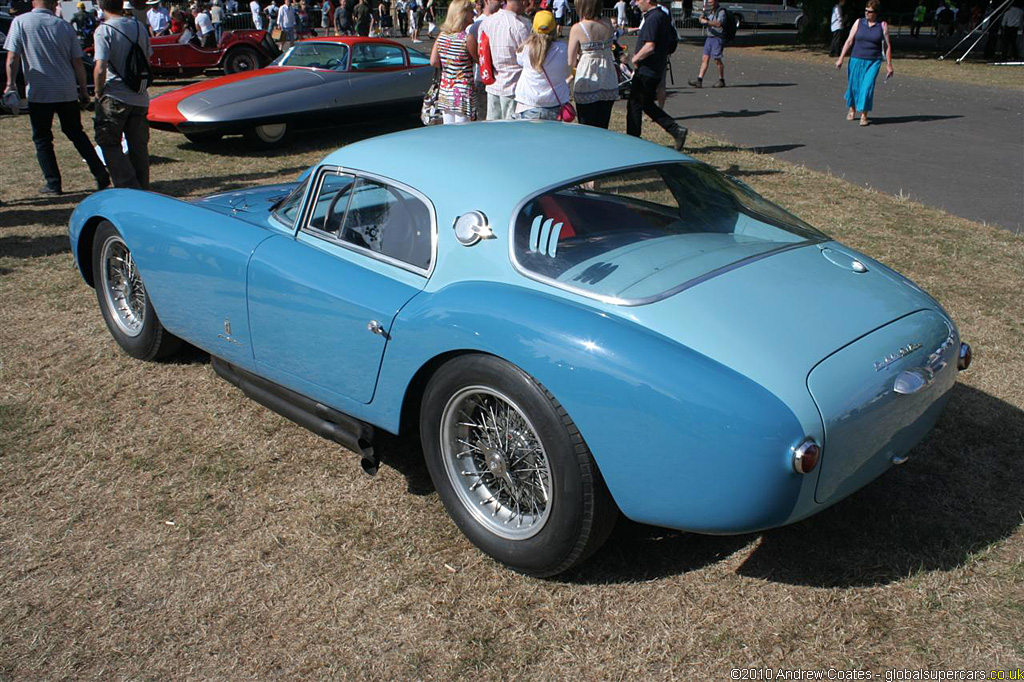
[[806, 456], [964, 361]]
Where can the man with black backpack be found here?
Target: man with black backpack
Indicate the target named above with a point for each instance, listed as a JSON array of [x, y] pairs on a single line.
[[721, 28], [122, 76]]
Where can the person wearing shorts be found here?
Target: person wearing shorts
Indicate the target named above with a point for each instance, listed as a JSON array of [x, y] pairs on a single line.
[[713, 20]]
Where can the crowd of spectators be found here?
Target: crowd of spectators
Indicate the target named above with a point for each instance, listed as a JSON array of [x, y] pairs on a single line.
[[507, 61]]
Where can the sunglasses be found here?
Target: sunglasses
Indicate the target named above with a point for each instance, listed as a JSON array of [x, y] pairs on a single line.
[[869, 11]]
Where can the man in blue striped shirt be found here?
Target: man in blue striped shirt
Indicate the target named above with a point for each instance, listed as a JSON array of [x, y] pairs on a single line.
[[49, 50]]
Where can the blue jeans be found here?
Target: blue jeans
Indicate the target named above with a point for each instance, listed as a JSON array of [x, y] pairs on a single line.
[[41, 115], [539, 114]]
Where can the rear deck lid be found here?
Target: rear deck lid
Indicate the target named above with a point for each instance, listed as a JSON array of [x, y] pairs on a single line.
[[879, 396]]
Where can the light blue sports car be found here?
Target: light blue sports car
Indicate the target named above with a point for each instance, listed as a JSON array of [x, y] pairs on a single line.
[[575, 322]]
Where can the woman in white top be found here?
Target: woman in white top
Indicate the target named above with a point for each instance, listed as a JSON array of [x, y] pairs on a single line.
[[542, 88], [596, 85]]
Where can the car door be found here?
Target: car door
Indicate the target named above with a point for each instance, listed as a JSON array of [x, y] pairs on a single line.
[[321, 303], [380, 72]]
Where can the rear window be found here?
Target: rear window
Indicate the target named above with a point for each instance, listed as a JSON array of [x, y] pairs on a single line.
[[638, 235]]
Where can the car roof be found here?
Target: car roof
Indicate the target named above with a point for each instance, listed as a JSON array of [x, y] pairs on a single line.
[[512, 158], [349, 40]]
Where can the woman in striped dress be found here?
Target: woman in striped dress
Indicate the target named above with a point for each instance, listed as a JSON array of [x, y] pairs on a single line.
[[455, 54]]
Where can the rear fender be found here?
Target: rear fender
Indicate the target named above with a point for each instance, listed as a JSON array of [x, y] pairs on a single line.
[[681, 440]]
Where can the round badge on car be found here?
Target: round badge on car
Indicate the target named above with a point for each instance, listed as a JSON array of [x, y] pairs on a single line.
[[472, 227]]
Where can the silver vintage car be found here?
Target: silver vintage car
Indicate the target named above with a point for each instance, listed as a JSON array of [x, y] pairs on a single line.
[[318, 82]]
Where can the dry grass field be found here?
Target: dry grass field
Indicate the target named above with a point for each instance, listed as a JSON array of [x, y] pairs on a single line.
[[156, 524]]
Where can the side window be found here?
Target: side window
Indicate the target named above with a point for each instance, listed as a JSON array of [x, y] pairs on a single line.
[[417, 58], [376, 56], [331, 203], [388, 221]]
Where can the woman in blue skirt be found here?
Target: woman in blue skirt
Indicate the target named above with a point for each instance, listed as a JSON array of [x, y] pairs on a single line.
[[867, 44]]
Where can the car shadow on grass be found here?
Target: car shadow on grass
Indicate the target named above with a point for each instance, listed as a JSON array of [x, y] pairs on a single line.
[[214, 184], [17, 246], [958, 495], [303, 141]]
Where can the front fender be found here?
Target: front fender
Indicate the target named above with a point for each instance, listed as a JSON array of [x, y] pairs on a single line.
[[681, 440], [193, 261]]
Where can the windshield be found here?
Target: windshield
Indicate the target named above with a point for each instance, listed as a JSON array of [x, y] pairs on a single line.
[[330, 56], [638, 235]]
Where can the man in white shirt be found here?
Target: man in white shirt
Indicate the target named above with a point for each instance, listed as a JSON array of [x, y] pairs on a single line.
[[621, 21], [563, 17], [286, 21], [217, 17], [204, 27], [837, 29], [158, 17], [506, 30], [1013, 18]]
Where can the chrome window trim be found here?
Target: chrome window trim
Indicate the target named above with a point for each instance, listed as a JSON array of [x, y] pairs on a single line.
[[293, 228], [615, 300], [331, 239]]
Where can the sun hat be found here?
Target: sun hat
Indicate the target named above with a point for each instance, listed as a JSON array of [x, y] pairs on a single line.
[[543, 22]]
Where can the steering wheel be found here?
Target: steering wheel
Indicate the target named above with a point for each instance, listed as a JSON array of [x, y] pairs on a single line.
[[332, 63]]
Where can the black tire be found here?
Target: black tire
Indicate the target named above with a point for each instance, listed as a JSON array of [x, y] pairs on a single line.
[[268, 136], [204, 138], [240, 59], [146, 339], [579, 513]]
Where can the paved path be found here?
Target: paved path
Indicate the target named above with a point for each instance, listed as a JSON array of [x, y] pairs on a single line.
[[953, 146]]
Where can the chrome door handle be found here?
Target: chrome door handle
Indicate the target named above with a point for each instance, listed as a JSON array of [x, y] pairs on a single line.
[[913, 380], [377, 328]]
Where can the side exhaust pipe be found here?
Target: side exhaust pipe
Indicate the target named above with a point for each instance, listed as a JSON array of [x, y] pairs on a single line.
[[324, 421]]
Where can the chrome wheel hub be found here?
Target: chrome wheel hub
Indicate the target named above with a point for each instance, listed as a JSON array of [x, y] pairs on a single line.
[[122, 287], [496, 462]]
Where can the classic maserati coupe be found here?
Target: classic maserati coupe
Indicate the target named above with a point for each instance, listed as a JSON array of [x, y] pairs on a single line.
[[617, 330], [318, 82]]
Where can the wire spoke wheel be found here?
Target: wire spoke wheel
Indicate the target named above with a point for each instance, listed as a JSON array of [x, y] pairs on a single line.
[[496, 462], [122, 287]]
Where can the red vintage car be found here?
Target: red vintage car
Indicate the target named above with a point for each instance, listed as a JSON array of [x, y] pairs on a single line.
[[243, 50]]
